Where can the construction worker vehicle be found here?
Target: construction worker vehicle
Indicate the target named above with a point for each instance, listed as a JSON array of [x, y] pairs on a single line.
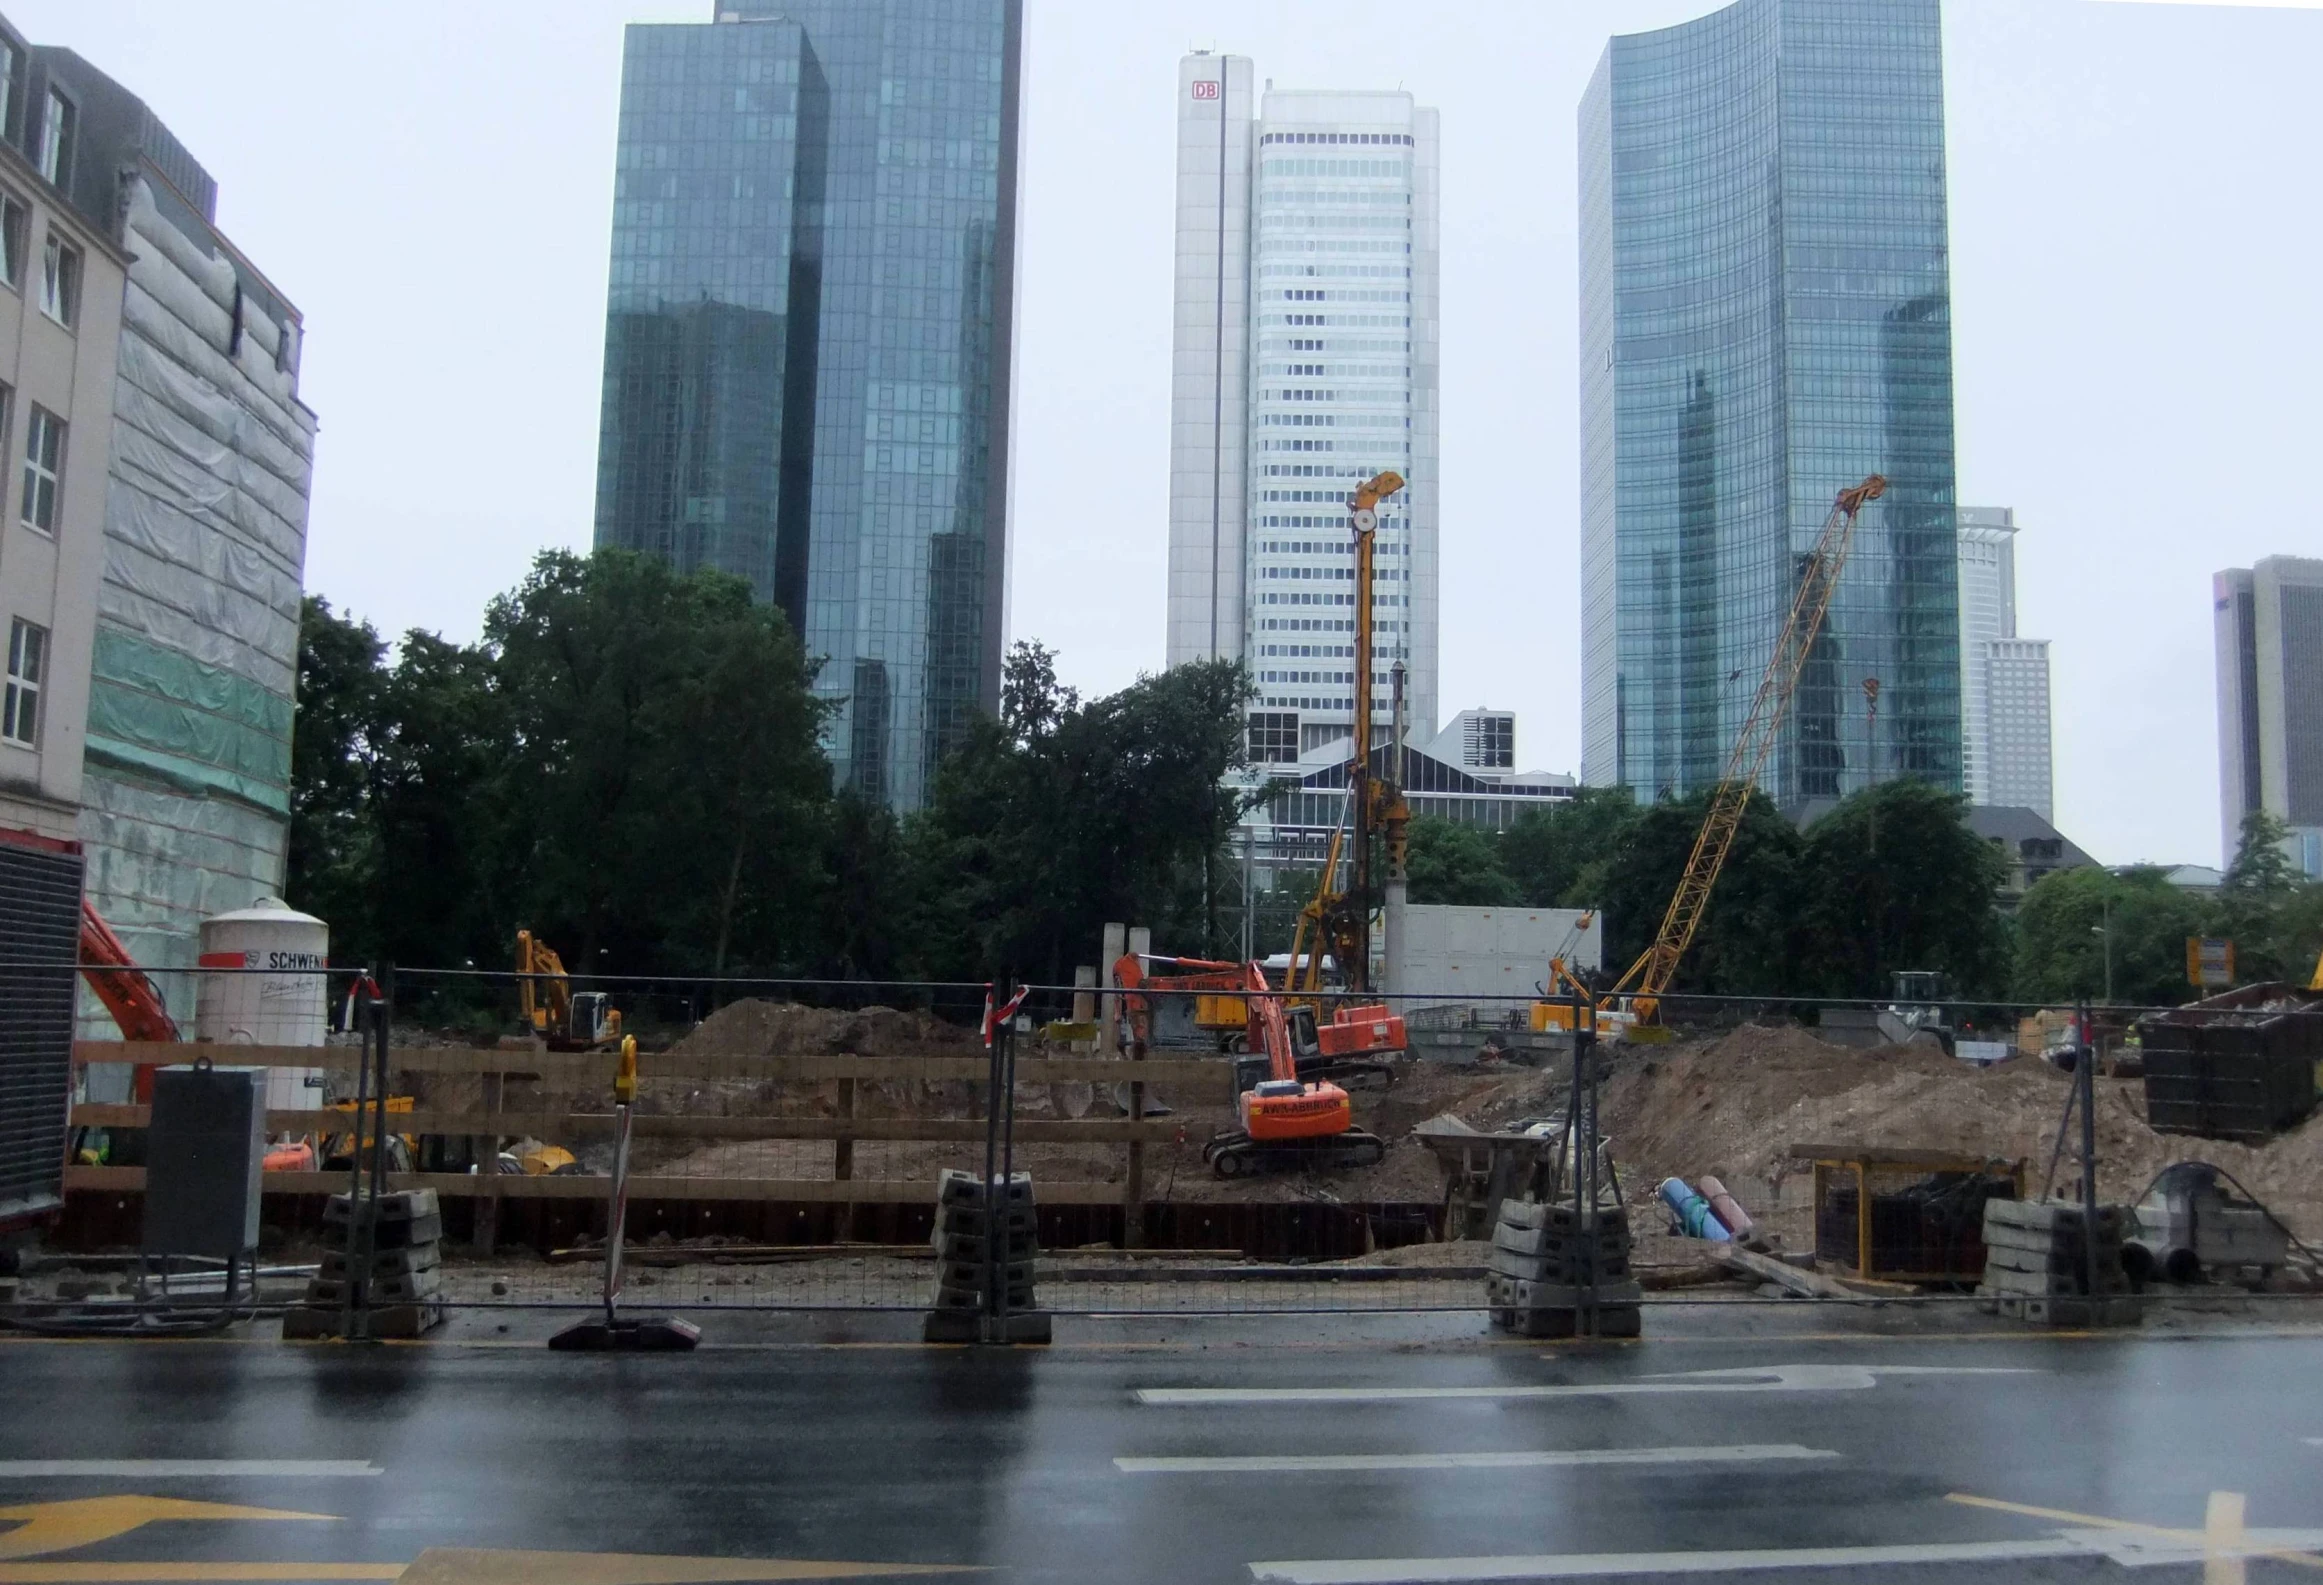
[[1633, 1003], [1353, 1042], [564, 1019], [1288, 1123]]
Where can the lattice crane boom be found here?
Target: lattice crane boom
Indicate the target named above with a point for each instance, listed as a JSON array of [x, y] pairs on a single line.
[[1651, 974]]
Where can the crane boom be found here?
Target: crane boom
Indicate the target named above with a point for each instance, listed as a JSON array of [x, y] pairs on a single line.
[[1370, 803], [1651, 974]]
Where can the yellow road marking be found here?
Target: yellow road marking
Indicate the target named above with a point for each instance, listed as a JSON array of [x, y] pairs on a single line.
[[463, 1566], [458, 1566], [163, 1573], [47, 1527], [2222, 1531]]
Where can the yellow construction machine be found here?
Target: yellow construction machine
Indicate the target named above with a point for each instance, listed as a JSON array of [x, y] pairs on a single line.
[[566, 1020], [1634, 1000]]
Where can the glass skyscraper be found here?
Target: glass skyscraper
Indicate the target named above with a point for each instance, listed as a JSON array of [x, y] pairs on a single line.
[[807, 342], [1765, 319]]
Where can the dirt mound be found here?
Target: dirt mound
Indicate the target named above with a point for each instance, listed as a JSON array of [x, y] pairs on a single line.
[[1735, 1106], [769, 1028]]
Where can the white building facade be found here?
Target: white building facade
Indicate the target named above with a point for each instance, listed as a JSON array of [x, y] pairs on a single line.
[[1305, 361], [2004, 680]]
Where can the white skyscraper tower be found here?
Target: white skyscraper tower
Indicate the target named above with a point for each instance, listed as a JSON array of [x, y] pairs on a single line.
[[2004, 679], [1305, 362]]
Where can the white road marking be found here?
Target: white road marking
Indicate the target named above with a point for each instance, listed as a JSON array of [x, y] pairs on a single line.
[[2130, 1552], [1755, 1378], [1521, 1459], [188, 1468]]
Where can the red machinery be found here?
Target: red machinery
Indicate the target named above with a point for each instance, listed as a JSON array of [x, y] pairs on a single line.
[[1224, 1008], [1288, 1122], [132, 998]]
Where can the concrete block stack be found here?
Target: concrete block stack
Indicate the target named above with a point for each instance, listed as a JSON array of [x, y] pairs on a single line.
[[974, 1223], [1540, 1254], [2036, 1268], [401, 1287]]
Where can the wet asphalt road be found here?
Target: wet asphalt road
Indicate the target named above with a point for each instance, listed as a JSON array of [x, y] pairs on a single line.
[[864, 1447]]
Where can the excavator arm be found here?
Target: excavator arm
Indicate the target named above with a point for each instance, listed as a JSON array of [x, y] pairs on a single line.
[[125, 989]]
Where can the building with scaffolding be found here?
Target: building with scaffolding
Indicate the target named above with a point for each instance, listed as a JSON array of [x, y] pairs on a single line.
[[185, 800]]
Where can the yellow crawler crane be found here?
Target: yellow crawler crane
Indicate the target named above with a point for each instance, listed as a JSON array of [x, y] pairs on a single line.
[[1636, 997]]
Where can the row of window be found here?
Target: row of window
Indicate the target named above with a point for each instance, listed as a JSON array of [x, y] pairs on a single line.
[[60, 262], [1389, 139]]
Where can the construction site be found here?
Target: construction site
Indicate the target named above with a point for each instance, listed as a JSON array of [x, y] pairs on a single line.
[[1359, 1122]]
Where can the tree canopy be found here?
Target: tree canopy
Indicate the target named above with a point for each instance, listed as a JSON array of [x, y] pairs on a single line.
[[627, 763]]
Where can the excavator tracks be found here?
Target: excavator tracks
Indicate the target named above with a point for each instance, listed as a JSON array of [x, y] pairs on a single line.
[[1234, 1154]]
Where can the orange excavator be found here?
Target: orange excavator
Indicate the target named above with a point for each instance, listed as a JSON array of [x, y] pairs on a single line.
[[1221, 993], [1288, 1123]]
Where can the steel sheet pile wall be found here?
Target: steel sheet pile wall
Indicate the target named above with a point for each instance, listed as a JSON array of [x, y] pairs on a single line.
[[188, 791]]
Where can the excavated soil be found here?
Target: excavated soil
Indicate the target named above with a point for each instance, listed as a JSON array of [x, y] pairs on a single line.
[[1733, 1106]]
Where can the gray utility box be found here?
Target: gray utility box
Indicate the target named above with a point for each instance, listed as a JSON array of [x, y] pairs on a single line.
[[40, 921], [204, 1152]]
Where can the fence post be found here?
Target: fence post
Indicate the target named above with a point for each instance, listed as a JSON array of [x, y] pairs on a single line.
[[1116, 942], [843, 1163], [1133, 1181], [2085, 1082]]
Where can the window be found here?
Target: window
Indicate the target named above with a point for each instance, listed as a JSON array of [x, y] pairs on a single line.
[[56, 139], [1274, 739], [14, 220], [7, 89], [44, 460], [27, 664], [60, 280]]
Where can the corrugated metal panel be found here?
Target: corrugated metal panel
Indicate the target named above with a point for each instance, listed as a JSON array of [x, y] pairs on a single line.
[[40, 908]]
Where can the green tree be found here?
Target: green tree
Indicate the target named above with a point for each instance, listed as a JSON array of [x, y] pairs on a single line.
[[1893, 878], [1747, 942], [1450, 863], [2257, 901], [447, 888], [2070, 920], [333, 861], [662, 764], [1558, 857], [1065, 814]]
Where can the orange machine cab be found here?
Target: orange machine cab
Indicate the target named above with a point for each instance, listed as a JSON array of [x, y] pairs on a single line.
[[1286, 1109], [1360, 1031]]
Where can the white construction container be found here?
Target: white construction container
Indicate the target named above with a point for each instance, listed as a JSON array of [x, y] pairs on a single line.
[[266, 985], [1468, 956]]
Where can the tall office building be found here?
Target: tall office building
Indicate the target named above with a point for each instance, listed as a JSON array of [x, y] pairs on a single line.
[[1305, 361], [2270, 701], [192, 671], [2004, 679], [808, 342], [1766, 319]]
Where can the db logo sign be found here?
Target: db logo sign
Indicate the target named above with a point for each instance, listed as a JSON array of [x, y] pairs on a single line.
[[1205, 90]]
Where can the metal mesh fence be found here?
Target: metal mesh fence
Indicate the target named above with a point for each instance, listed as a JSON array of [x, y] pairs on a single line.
[[788, 1139]]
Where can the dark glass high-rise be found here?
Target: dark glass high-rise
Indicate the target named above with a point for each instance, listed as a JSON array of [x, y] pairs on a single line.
[[807, 342]]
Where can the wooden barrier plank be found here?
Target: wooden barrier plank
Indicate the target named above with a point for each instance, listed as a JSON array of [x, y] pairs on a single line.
[[551, 1125], [584, 1069], [861, 1191]]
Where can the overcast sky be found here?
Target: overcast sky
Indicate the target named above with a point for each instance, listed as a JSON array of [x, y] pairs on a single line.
[[2138, 328]]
